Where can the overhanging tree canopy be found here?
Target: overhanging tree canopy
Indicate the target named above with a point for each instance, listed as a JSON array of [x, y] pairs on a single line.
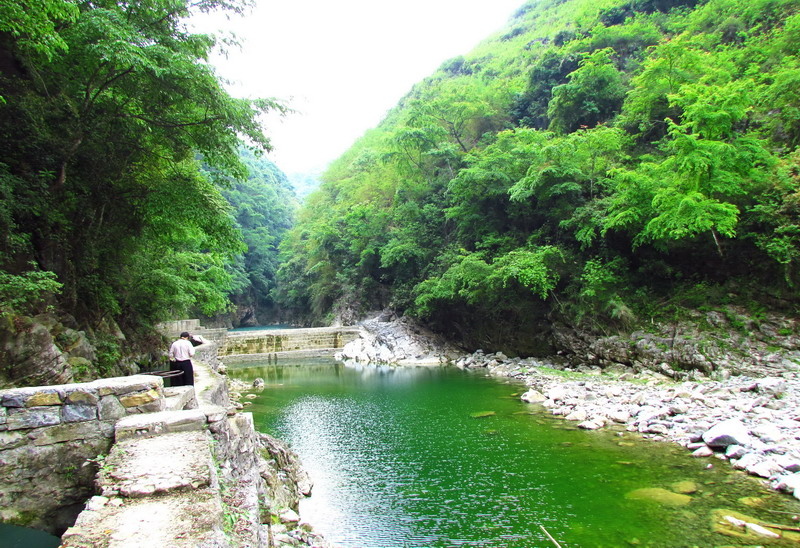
[[108, 108]]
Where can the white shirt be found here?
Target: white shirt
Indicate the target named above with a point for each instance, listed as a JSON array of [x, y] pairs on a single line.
[[181, 350]]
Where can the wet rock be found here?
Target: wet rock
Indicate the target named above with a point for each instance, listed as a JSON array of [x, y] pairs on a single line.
[[684, 487], [736, 524], [659, 495]]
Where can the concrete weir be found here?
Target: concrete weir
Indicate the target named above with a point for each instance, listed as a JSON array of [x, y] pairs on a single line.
[[285, 343]]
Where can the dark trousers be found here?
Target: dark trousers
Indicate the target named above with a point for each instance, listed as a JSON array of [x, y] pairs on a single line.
[[187, 379]]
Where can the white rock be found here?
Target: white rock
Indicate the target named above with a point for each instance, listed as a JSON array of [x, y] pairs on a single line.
[[656, 429], [533, 396], [725, 433], [735, 451], [767, 432], [789, 483], [772, 386], [766, 468], [748, 460], [789, 462], [289, 516], [647, 414], [754, 527], [704, 451], [578, 414], [619, 416], [557, 393]]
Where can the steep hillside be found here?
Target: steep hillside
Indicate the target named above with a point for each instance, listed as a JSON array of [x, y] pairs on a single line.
[[602, 164], [264, 207]]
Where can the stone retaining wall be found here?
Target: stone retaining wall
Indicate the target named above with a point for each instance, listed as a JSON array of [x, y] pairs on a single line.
[[195, 478], [50, 438]]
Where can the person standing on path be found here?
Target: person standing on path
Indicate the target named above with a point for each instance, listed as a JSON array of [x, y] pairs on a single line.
[[180, 358]]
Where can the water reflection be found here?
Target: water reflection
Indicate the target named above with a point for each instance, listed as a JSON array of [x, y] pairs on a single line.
[[440, 457]]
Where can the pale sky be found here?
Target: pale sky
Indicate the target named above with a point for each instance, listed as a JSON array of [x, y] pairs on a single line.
[[343, 64]]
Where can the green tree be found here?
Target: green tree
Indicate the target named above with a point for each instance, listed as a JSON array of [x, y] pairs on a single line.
[[593, 94]]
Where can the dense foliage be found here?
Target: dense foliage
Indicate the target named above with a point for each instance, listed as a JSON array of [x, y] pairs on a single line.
[[106, 110], [264, 206], [598, 162]]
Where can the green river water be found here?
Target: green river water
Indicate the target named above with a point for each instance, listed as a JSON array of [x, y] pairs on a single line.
[[439, 457]]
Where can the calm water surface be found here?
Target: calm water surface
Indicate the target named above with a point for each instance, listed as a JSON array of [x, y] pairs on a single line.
[[435, 457]]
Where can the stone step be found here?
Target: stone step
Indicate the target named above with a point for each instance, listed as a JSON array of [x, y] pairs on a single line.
[[189, 520], [163, 422], [178, 398], [138, 467]]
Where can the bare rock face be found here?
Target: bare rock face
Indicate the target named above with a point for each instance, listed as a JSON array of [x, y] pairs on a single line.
[[283, 473], [29, 355], [47, 350], [712, 344]]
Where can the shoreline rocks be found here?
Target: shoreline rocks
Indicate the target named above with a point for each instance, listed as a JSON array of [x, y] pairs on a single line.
[[386, 339], [753, 423]]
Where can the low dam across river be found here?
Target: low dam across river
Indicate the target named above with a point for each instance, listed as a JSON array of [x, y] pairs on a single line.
[[267, 344], [246, 345]]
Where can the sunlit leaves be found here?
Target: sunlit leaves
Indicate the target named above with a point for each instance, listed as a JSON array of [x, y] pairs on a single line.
[[535, 269], [474, 281]]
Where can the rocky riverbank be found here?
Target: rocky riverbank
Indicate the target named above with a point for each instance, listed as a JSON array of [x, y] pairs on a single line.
[[286, 482], [753, 423]]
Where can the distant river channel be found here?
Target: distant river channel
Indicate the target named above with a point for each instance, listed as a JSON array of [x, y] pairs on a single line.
[[439, 457]]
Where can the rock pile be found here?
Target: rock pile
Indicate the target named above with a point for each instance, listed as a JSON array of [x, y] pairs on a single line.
[[386, 339], [754, 423]]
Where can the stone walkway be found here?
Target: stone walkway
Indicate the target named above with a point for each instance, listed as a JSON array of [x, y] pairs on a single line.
[[159, 484]]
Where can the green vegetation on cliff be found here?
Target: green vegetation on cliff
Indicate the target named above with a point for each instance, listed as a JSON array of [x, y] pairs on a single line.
[[101, 125], [264, 206], [597, 162], [108, 113]]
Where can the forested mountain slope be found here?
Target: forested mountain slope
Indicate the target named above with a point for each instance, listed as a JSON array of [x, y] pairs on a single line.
[[600, 163], [264, 206]]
